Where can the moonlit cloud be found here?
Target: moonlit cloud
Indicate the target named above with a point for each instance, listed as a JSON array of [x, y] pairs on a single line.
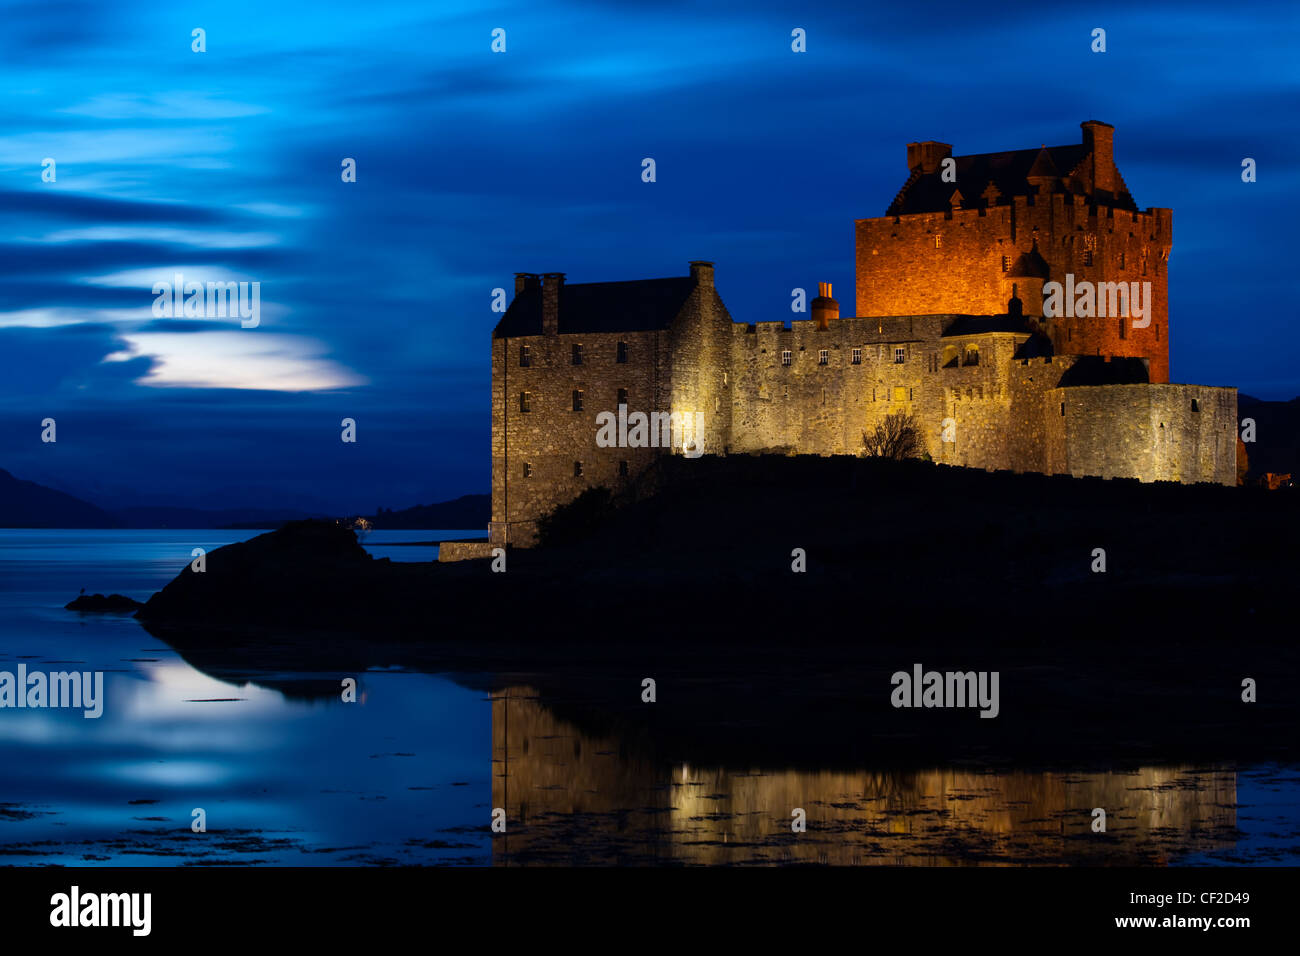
[[240, 360]]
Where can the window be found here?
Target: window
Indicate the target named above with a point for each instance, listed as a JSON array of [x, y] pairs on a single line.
[[1121, 260], [621, 357], [622, 396], [900, 393], [577, 469], [525, 356], [1062, 408], [1196, 406], [1123, 327], [577, 355], [1087, 257], [972, 356], [528, 469], [824, 357], [622, 468], [938, 240], [525, 401], [577, 399], [1006, 263], [857, 356], [900, 356], [787, 357]]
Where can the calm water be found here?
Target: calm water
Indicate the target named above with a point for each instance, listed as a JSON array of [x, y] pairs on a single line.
[[410, 773], [401, 776]]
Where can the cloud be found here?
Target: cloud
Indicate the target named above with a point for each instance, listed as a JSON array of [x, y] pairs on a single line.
[[237, 360]]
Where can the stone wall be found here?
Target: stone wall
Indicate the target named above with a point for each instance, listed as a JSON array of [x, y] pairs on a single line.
[[534, 452], [1184, 433]]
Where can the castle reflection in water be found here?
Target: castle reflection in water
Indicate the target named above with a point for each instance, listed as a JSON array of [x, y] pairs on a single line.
[[572, 797]]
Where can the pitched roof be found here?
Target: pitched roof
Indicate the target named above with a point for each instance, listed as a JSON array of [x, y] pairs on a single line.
[[639, 305], [1096, 370], [1008, 171]]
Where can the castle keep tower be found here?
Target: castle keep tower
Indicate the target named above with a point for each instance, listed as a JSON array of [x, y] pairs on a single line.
[[961, 236]]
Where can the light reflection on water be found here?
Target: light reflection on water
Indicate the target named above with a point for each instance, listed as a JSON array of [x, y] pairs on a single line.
[[410, 773]]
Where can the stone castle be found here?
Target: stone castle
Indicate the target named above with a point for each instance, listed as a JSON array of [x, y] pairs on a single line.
[[952, 284]]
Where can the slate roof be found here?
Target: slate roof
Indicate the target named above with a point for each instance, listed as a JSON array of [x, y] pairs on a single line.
[[1008, 171], [1095, 370], [639, 305]]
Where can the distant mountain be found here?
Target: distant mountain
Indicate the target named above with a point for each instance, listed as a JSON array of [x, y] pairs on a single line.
[[1277, 435], [25, 504], [167, 517], [468, 512]]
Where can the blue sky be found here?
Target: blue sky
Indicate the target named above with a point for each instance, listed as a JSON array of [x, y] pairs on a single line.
[[472, 165]]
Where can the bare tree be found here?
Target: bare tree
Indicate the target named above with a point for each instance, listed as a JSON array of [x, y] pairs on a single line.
[[896, 436]]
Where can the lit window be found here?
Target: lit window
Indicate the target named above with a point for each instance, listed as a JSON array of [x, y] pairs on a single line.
[[824, 357], [787, 357], [525, 401], [900, 356], [577, 399], [1006, 263], [525, 356], [528, 469], [857, 356]]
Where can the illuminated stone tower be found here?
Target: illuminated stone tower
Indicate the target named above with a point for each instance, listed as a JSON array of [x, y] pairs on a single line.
[[965, 232]]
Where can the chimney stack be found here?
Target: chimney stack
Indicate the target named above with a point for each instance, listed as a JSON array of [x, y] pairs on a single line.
[[551, 285], [927, 155], [702, 273], [525, 281], [824, 308], [1099, 139]]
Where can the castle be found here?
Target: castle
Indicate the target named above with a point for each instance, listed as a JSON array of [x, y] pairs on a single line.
[[967, 321]]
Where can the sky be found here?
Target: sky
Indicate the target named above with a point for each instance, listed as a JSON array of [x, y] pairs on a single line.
[[471, 165]]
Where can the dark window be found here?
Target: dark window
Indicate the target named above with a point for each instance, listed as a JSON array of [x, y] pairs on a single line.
[[1121, 260], [525, 356], [622, 352], [577, 355], [786, 357], [622, 469], [622, 396], [1196, 406], [528, 469], [1062, 408], [1123, 327], [577, 399], [1087, 257], [525, 402], [577, 469], [857, 356], [900, 356], [824, 357]]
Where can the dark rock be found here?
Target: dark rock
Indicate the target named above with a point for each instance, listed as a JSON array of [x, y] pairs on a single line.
[[97, 602]]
